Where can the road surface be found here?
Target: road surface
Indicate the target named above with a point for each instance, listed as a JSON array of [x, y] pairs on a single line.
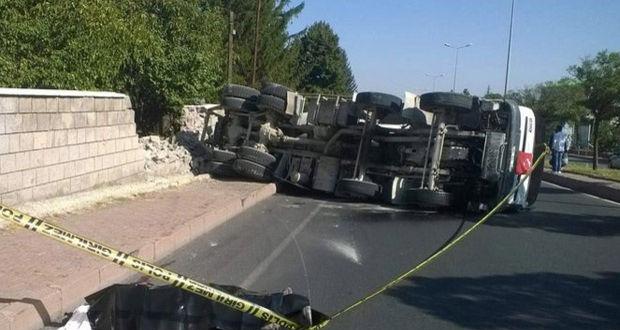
[[555, 267]]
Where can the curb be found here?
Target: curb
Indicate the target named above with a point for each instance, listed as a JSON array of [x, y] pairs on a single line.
[[55, 301], [592, 188]]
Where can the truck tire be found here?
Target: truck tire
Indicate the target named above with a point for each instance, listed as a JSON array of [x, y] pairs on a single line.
[[415, 117], [450, 101], [430, 198], [238, 104], [218, 155], [395, 190], [239, 91], [220, 169], [252, 170], [380, 100], [272, 102], [356, 188], [275, 90], [232, 103], [257, 156]]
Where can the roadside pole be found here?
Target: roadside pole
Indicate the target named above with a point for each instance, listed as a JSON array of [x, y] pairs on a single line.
[[231, 34]]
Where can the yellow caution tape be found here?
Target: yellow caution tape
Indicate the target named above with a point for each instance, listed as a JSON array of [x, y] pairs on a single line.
[[182, 282], [430, 259], [144, 267]]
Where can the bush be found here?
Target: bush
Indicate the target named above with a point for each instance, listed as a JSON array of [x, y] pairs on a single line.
[[163, 53]]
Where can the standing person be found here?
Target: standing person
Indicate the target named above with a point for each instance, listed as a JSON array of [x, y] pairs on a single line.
[[558, 147]]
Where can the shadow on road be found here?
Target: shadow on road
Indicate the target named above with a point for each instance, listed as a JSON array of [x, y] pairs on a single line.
[[520, 301], [571, 224], [549, 190]]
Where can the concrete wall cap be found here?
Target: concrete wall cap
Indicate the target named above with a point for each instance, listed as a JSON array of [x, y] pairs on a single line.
[[57, 93]]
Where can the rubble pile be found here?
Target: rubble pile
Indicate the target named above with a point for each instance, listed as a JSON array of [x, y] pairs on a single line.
[[185, 152], [163, 157]]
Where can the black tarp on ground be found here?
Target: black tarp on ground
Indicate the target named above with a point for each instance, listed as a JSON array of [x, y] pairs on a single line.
[[140, 307]]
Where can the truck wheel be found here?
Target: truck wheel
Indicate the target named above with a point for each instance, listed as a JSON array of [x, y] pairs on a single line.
[[415, 117], [356, 188], [275, 90], [218, 155], [257, 156], [450, 101], [232, 103], [252, 170], [380, 100], [395, 191], [220, 169], [239, 91], [238, 104], [430, 198], [272, 102]]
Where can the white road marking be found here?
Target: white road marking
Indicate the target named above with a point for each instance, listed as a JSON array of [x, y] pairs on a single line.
[[263, 265], [579, 192]]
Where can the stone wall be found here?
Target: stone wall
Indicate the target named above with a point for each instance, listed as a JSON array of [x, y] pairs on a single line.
[[56, 142]]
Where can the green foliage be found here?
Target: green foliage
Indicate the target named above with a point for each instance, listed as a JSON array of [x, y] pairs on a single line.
[[51, 44], [182, 61], [561, 101], [556, 101], [322, 65], [494, 96], [274, 59], [600, 78], [609, 138], [162, 53]]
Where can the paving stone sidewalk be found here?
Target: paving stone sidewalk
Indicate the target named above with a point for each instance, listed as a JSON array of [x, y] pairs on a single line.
[[41, 279]]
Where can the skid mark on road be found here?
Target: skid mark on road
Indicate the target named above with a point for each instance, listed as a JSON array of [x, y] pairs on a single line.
[[263, 265]]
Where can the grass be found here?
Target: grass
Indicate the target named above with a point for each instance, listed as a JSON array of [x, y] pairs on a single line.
[[586, 169]]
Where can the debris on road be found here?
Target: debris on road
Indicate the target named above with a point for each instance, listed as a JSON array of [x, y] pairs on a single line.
[[166, 307]]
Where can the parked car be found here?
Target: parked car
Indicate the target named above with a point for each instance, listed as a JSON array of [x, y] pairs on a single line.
[[470, 153]]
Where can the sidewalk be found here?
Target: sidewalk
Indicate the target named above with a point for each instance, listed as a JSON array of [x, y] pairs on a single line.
[[598, 187], [42, 279]]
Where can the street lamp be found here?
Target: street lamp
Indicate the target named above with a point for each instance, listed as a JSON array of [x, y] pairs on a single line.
[[434, 78], [456, 60]]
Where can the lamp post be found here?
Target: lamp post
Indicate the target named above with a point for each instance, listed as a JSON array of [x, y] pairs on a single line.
[[512, 14], [456, 60], [434, 78]]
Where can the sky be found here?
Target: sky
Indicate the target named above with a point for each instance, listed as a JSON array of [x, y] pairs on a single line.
[[393, 44]]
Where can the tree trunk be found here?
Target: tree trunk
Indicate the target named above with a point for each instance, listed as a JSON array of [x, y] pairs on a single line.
[[595, 134]]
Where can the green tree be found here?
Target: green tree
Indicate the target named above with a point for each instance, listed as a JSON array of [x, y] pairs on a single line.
[[62, 44], [182, 62], [322, 65], [163, 53], [560, 101], [600, 80], [273, 59]]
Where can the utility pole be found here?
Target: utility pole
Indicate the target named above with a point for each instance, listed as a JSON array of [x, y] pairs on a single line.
[[512, 12], [231, 34], [434, 78], [456, 60], [256, 38]]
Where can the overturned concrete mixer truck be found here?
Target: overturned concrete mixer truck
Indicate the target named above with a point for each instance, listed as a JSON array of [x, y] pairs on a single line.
[[440, 150]]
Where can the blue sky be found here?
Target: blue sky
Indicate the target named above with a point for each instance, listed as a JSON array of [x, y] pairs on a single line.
[[392, 44]]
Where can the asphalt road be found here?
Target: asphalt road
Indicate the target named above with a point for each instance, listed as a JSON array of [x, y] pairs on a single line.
[[555, 267]]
